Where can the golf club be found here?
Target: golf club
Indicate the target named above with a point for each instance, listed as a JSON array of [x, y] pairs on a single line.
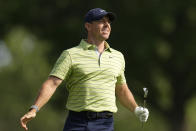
[[145, 97]]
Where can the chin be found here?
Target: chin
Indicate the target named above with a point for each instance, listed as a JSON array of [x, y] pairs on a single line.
[[105, 37]]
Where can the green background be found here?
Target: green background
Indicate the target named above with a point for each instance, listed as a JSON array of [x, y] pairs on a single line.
[[157, 38]]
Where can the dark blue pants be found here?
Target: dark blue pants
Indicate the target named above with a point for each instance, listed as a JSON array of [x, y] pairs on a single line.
[[84, 121]]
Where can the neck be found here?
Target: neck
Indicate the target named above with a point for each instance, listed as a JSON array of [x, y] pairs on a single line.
[[99, 43]]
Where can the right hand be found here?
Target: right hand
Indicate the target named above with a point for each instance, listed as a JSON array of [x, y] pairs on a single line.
[[26, 118]]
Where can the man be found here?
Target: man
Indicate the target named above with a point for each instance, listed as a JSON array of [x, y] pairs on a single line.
[[94, 75]]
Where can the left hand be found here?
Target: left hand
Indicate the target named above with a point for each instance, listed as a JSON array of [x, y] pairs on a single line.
[[142, 113]]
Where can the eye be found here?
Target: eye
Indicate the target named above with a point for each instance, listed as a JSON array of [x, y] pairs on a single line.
[[106, 21], [109, 22]]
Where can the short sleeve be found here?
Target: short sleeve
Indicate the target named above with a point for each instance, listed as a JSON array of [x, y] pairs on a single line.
[[121, 77], [62, 67]]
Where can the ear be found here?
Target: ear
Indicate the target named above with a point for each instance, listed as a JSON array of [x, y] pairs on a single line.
[[87, 26]]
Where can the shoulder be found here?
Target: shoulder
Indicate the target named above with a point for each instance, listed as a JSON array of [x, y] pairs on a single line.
[[72, 50], [117, 53]]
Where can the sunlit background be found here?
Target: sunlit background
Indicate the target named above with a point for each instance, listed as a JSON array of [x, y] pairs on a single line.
[[157, 38]]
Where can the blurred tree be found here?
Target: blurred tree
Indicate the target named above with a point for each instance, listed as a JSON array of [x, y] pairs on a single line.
[[21, 80], [161, 55]]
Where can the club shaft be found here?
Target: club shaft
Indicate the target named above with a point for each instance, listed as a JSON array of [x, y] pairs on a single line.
[[144, 103]]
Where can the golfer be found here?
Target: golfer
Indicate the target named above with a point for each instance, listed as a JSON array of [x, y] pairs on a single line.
[[94, 76]]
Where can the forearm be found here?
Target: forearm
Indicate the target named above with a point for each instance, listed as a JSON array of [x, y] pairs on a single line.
[[44, 95], [126, 97], [47, 90]]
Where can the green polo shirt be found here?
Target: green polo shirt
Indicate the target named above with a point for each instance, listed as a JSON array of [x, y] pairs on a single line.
[[90, 77]]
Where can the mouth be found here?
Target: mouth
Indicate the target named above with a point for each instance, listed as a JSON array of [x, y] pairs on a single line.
[[106, 31]]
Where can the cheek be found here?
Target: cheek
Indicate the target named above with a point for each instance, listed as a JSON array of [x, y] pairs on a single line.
[[109, 27], [97, 29]]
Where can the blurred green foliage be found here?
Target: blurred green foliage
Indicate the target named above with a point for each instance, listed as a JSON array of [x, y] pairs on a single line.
[[157, 38]]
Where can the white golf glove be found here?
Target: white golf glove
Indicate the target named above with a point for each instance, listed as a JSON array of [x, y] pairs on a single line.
[[142, 113]]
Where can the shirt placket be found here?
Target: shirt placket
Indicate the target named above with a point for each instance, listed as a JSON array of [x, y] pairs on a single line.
[[99, 57]]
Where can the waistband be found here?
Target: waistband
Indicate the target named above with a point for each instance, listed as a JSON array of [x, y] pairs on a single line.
[[92, 115]]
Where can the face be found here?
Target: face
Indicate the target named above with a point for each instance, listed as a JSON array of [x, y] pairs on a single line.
[[99, 29]]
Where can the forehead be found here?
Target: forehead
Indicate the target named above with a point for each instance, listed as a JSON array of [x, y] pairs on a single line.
[[105, 18]]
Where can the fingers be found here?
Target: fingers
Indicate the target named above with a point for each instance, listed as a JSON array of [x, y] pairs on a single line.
[[145, 110], [142, 113], [26, 118], [23, 122], [144, 117]]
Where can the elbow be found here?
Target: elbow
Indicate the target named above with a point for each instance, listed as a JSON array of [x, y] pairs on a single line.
[[119, 91]]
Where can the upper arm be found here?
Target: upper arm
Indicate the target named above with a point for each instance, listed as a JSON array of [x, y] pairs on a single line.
[[53, 81], [120, 88], [62, 67], [121, 80]]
